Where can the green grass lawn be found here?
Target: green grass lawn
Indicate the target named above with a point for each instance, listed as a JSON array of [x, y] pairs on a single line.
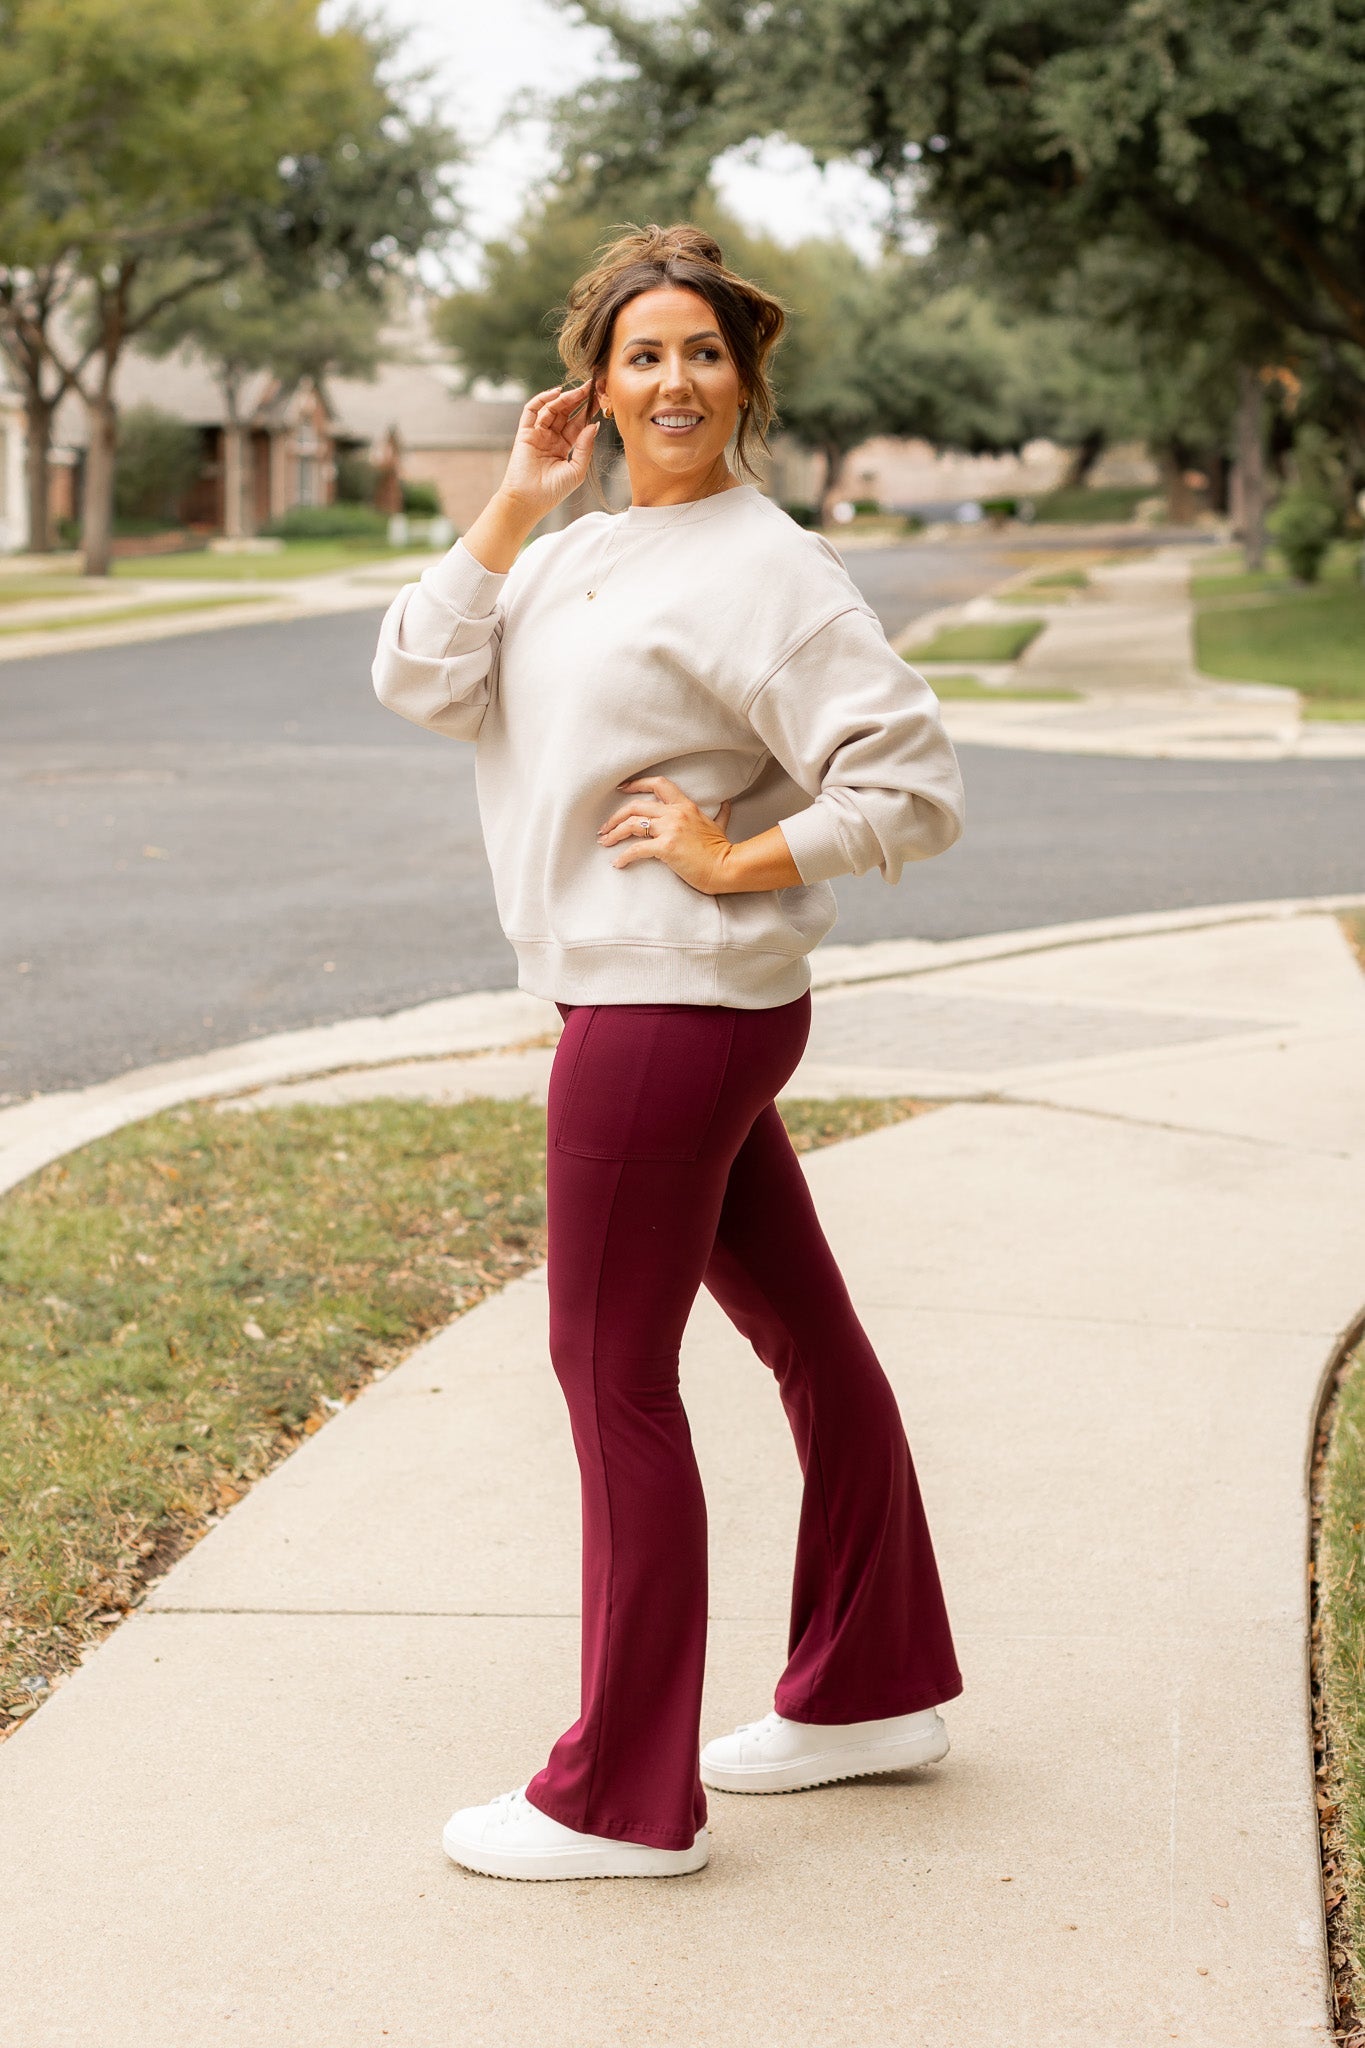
[[118, 615], [1267, 629], [953, 688], [1060, 579], [984, 640], [186, 1300], [1101, 505], [295, 558], [18, 588], [1052, 587]]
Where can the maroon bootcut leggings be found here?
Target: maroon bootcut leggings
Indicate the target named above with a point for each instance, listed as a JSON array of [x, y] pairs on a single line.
[[669, 1166]]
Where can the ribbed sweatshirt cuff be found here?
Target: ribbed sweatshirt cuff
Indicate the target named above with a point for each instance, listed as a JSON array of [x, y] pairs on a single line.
[[814, 843], [463, 584]]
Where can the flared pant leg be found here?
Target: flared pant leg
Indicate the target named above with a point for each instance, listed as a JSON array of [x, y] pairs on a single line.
[[869, 1634], [664, 1169]]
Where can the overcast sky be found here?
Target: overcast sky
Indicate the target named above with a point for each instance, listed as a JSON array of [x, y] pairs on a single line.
[[486, 51]]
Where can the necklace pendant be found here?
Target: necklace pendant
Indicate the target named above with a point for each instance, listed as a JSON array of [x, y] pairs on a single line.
[[592, 593]]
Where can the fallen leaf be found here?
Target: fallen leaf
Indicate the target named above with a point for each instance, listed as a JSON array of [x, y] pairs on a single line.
[[1331, 1904], [155, 853], [251, 1328], [1216, 1900], [313, 1423]]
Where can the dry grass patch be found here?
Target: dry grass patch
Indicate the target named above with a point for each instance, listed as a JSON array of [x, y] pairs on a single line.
[[1339, 1686], [186, 1300]]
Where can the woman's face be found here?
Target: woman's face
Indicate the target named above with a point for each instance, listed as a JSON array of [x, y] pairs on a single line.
[[671, 384]]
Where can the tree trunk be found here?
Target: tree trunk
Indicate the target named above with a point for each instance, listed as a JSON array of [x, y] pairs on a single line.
[[234, 482], [97, 510], [1251, 466], [1173, 459], [38, 413], [1082, 460], [1219, 472], [833, 454]]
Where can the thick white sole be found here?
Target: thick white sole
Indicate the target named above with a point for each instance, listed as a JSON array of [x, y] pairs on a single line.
[[830, 1766], [610, 1859]]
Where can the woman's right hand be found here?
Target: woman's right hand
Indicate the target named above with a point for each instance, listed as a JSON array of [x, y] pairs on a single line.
[[552, 450], [549, 459]]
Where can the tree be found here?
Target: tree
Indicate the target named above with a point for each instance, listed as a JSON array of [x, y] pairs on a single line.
[[504, 327], [883, 349], [868, 349], [152, 148], [1221, 143], [1231, 131]]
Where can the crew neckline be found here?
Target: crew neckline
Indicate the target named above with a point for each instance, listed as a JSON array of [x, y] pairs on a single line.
[[689, 509]]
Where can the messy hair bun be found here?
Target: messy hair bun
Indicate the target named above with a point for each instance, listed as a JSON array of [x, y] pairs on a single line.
[[641, 259]]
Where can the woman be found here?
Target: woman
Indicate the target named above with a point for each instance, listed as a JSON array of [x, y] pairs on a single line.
[[687, 721]]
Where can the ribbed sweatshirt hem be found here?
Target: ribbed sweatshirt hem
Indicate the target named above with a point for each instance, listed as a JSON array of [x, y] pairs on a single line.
[[608, 971]]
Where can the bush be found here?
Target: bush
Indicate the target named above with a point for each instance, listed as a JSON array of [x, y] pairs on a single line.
[[356, 479], [804, 515], [421, 500], [1106, 503], [329, 522], [1000, 508], [1304, 525], [156, 460], [866, 508]]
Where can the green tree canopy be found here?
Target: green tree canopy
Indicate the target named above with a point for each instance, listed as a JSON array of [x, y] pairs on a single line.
[[1233, 131], [150, 148], [869, 348]]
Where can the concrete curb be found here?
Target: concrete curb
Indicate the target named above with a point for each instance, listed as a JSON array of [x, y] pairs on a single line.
[[292, 599], [34, 1133]]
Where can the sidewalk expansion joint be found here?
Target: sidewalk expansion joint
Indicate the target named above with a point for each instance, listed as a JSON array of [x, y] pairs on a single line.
[[1149, 1123], [372, 1613], [1099, 1322]]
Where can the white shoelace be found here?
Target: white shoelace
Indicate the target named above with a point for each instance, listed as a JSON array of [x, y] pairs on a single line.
[[508, 1806], [769, 1725]]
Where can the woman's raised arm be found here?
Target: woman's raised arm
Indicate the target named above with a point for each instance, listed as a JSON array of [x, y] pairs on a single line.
[[439, 642]]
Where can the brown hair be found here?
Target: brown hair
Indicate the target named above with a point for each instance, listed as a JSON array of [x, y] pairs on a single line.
[[640, 260]]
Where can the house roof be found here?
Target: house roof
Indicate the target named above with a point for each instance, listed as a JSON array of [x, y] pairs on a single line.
[[414, 397], [416, 400]]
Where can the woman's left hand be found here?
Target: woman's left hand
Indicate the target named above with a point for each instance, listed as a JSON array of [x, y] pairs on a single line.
[[681, 835]]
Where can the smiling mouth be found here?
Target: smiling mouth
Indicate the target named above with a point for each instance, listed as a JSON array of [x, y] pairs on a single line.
[[676, 422]]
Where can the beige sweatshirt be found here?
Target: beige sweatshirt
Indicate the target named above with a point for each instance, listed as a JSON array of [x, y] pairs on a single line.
[[714, 642]]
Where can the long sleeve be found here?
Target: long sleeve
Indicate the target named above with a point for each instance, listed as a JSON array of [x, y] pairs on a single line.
[[437, 657], [860, 730]]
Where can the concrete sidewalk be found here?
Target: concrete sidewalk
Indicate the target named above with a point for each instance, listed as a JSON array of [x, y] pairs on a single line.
[[1106, 1296], [1123, 648]]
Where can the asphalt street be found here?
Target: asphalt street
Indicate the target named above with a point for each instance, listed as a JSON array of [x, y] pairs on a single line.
[[223, 834]]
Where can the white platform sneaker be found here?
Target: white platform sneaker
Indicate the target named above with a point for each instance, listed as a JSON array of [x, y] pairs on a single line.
[[773, 1755], [511, 1838]]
